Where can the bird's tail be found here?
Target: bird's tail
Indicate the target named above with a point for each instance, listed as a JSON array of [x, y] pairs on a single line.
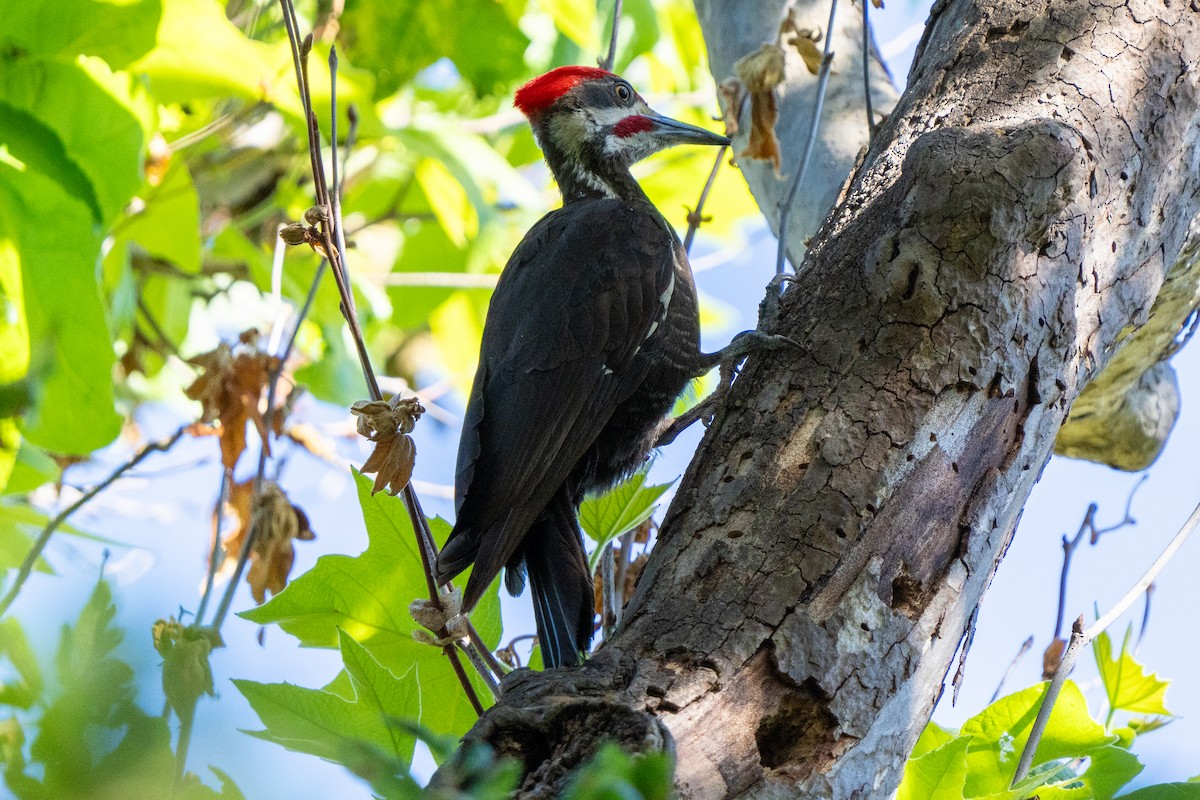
[[563, 599]]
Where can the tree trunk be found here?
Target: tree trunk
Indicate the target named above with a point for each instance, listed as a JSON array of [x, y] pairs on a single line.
[[1024, 219]]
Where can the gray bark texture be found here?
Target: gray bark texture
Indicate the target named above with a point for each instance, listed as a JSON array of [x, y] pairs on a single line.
[[1024, 226]]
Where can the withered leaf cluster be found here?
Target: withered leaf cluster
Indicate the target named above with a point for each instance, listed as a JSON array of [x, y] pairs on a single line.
[[388, 424], [230, 389], [760, 73], [277, 524]]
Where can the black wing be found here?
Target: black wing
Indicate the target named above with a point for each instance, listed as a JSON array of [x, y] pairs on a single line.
[[577, 300]]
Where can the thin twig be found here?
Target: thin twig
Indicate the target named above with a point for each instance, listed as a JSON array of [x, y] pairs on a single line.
[[1025, 648], [695, 218], [1145, 619], [43, 539], [608, 591], [1069, 546], [611, 58], [785, 208], [866, 42], [1088, 525], [1081, 637], [474, 655], [493, 663], [623, 564], [260, 474], [214, 550], [331, 231]]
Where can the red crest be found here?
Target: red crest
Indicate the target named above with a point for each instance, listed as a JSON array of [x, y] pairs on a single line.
[[541, 92]]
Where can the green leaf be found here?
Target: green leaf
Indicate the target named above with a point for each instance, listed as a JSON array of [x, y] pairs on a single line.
[[576, 19], [194, 790], [621, 509], [93, 740], [367, 597], [167, 221], [457, 327], [321, 721], [933, 737], [33, 468], [1109, 769], [15, 647], [1126, 683], [1166, 791], [10, 447], [614, 774], [998, 734], [72, 356], [96, 115], [232, 65], [396, 39], [229, 63], [35, 146], [451, 207], [117, 31], [939, 773]]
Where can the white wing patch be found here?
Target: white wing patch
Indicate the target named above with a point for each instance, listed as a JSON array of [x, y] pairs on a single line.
[[665, 300]]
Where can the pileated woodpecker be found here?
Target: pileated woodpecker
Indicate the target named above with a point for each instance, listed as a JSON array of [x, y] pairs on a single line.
[[592, 333]]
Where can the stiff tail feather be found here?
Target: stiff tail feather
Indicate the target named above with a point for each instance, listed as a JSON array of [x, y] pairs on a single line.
[[563, 599]]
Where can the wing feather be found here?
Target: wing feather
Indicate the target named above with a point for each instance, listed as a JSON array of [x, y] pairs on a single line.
[[567, 320]]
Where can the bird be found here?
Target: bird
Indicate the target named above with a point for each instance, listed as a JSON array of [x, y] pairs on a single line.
[[591, 334]]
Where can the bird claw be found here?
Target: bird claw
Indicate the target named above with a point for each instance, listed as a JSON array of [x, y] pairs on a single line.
[[768, 308], [747, 342]]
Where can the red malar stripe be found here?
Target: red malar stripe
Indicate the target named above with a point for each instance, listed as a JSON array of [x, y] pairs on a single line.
[[631, 125]]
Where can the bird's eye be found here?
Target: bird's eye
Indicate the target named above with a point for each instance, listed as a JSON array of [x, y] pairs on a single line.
[[624, 93]]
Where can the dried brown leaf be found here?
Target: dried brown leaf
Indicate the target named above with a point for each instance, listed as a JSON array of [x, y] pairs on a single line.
[[877, 3], [1052, 658], [761, 72], [731, 93], [277, 524], [229, 390], [809, 52], [388, 423], [312, 440]]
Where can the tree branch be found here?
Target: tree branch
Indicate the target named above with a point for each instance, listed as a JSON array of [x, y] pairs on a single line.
[[39, 545], [1081, 637]]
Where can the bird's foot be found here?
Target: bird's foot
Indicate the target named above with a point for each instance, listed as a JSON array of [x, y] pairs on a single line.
[[748, 342], [444, 618], [768, 308], [727, 360]]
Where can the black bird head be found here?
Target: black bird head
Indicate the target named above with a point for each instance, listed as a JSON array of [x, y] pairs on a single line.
[[592, 126]]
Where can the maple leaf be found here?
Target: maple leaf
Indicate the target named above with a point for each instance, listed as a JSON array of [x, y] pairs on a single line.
[[230, 390], [277, 524], [761, 72], [388, 423]]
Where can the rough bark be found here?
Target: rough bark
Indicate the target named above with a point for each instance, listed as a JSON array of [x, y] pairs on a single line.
[[1028, 210]]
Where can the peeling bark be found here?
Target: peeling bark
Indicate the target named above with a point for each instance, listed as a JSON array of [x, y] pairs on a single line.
[[1025, 214]]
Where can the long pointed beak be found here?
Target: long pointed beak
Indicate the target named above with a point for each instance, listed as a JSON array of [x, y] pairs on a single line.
[[672, 131]]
